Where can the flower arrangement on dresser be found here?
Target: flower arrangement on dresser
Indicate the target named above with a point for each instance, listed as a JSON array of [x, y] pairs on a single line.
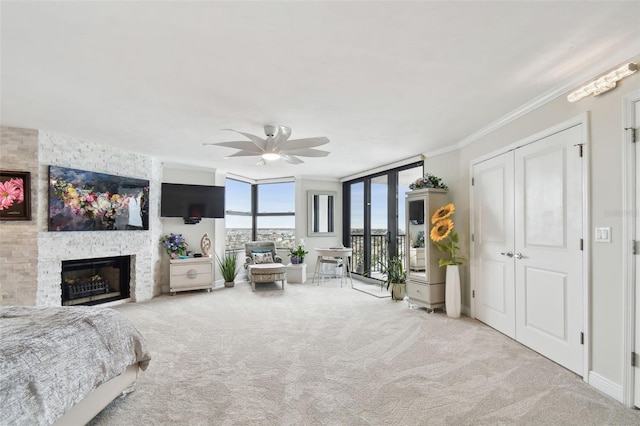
[[174, 244]]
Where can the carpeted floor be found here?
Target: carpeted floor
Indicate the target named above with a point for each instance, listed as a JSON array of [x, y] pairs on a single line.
[[326, 355]]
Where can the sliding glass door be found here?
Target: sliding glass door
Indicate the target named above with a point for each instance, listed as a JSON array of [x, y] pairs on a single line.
[[374, 217]]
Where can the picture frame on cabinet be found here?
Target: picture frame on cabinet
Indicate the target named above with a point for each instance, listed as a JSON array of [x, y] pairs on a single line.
[[15, 195]]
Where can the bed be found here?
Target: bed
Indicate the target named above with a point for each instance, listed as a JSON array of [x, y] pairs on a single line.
[[62, 365]]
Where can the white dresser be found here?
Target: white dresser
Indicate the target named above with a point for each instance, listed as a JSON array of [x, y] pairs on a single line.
[[194, 273]]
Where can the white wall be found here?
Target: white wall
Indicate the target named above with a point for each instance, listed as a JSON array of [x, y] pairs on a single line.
[[605, 140], [192, 233], [54, 247], [302, 231]]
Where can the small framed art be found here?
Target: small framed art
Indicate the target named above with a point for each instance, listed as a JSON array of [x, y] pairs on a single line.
[[15, 195]]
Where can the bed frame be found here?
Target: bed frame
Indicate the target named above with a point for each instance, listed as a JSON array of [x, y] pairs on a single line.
[[92, 404]]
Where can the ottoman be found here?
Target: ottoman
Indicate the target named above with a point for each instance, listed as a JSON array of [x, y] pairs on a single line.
[[266, 273]]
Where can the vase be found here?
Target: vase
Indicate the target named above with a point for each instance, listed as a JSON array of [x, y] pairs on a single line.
[[452, 291]]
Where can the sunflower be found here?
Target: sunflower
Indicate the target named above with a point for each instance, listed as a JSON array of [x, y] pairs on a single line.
[[443, 212], [441, 230]]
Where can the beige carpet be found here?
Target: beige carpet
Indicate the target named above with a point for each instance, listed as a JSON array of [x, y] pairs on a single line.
[[325, 355]]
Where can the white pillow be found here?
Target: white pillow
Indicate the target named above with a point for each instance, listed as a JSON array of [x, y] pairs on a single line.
[[262, 258]]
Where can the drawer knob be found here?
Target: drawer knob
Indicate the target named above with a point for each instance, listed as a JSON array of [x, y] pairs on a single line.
[[192, 274]]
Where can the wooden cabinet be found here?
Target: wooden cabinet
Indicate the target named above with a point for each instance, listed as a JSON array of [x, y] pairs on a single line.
[[190, 274], [425, 279]]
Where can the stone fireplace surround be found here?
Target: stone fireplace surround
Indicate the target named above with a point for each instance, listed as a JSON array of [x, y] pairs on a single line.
[[31, 275]]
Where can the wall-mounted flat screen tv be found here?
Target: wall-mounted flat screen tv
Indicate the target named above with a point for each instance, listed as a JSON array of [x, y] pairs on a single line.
[[192, 201]]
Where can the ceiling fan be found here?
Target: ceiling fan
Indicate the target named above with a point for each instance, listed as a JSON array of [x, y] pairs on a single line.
[[276, 146]]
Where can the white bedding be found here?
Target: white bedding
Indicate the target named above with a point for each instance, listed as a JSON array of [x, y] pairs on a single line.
[[52, 357]]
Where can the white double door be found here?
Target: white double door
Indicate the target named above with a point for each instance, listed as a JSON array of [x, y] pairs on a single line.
[[527, 255]]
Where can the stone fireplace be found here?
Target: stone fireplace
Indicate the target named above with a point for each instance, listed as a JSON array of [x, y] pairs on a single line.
[[95, 281]]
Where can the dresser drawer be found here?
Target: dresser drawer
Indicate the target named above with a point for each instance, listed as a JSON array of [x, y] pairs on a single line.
[[191, 274], [429, 294], [190, 269]]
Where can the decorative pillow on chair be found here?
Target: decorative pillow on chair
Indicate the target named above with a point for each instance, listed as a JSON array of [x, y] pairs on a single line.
[[262, 258]]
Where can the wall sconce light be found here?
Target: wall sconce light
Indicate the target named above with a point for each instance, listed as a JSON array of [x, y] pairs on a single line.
[[604, 83]]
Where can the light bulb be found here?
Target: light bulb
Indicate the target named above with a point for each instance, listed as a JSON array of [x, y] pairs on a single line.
[[270, 156]]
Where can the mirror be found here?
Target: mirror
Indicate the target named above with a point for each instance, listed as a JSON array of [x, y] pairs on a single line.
[[321, 212]]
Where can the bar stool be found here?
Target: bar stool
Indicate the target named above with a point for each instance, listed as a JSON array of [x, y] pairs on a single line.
[[337, 257]]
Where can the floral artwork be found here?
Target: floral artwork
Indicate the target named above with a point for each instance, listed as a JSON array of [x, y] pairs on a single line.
[[81, 200], [15, 196]]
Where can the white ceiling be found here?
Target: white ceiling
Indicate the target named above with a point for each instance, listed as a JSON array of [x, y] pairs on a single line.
[[384, 81]]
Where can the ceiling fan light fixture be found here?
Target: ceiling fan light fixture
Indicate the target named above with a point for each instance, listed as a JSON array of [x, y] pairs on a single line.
[[270, 156]]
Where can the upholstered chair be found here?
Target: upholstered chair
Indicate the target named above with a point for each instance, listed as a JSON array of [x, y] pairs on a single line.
[[260, 247], [263, 264]]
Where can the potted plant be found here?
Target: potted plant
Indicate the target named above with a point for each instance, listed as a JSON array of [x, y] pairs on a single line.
[[428, 181], [359, 261], [228, 264], [396, 277], [297, 254], [175, 245]]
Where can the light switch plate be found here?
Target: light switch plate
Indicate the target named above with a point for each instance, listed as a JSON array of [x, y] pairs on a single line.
[[603, 234]]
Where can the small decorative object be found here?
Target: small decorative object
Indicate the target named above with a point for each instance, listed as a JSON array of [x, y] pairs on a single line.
[[396, 277], [15, 195], [419, 242], [297, 254], [228, 264], [428, 181], [174, 244], [205, 245], [446, 241]]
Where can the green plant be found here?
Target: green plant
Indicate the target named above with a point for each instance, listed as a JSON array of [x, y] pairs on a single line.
[[396, 276], [394, 271], [228, 264], [428, 181], [298, 252]]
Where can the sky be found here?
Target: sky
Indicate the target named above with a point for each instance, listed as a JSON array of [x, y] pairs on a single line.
[[280, 197]]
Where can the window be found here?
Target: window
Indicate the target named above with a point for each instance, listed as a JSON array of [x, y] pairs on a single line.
[[259, 212], [238, 216], [276, 217]]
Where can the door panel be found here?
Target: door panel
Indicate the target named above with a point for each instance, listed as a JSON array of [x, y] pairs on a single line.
[[636, 370], [545, 301], [548, 258], [493, 235]]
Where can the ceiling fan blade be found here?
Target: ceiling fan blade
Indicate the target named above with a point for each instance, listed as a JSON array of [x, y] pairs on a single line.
[[291, 159], [260, 143], [245, 145], [243, 153], [304, 143], [306, 152], [273, 144]]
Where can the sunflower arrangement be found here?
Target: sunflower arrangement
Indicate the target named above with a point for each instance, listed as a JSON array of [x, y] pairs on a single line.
[[443, 236]]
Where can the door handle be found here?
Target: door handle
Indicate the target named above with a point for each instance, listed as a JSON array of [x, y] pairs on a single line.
[[508, 254], [518, 255]]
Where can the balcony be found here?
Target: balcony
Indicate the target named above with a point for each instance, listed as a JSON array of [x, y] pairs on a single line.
[[377, 255]]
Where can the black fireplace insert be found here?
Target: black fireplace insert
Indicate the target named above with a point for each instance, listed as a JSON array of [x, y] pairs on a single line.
[[95, 281]]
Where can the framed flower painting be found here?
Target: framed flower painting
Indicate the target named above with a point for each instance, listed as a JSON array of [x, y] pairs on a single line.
[[81, 200], [15, 195]]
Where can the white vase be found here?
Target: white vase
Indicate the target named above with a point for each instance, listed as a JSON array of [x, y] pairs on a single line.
[[452, 291]]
